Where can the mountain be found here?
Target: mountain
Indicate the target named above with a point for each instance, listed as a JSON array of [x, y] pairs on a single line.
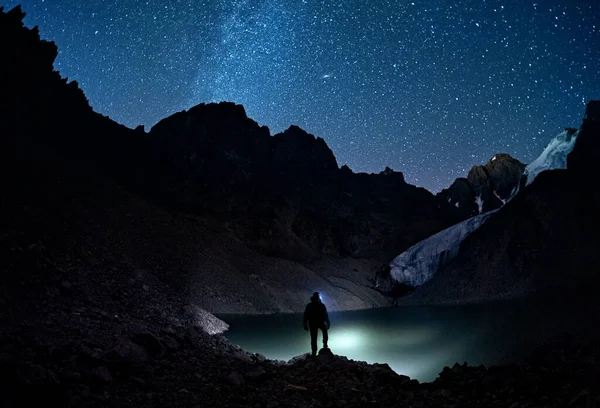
[[486, 187], [206, 202], [422, 261], [544, 241], [554, 155], [284, 194]]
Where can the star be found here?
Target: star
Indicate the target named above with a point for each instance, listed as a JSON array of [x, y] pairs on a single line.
[[429, 89]]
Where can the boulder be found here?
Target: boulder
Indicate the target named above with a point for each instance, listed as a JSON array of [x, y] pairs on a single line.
[[150, 342], [206, 321], [126, 352]]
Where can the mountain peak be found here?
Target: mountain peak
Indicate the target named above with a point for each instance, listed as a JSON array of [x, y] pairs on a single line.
[[486, 187], [584, 158]]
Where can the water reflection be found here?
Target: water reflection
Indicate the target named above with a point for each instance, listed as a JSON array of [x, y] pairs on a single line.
[[414, 341]]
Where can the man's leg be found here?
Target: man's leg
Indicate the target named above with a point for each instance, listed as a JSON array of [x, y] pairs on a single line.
[[314, 331], [325, 336]]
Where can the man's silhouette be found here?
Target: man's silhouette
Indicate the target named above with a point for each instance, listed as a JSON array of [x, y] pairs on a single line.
[[315, 318]]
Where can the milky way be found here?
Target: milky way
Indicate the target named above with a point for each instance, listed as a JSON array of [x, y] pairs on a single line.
[[428, 88]]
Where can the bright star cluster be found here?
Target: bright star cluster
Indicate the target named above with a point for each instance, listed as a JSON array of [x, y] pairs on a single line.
[[426, 87]]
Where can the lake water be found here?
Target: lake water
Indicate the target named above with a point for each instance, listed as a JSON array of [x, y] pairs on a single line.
[[415, 341]]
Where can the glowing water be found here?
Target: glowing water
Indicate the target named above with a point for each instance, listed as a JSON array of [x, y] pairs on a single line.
[[415, 341]]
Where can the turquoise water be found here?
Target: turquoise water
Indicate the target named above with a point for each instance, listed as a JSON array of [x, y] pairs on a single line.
[[414, 341]]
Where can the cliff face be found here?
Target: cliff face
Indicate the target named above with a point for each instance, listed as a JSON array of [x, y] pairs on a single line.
[[543, 241], [486, 187], [284, 194], [207, 201], [583, 160]]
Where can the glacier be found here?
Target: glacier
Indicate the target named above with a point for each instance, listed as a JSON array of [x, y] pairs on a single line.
[[420, 262], [554, 155]]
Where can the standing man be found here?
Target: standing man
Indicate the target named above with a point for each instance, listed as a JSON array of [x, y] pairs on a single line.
[[315, 318]]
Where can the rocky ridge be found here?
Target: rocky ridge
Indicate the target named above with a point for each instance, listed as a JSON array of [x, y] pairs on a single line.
[[486, 187], [284, 195]]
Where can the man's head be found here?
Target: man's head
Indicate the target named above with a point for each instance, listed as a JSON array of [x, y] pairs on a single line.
[[316, 297]]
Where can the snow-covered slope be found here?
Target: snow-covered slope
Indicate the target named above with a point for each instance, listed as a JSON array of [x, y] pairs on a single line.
[[420, 262], [554, 155]]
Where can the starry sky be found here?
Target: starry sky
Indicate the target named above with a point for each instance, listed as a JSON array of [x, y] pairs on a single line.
[[428, 88]]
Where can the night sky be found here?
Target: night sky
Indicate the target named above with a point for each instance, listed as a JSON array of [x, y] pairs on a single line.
[[428, 88]]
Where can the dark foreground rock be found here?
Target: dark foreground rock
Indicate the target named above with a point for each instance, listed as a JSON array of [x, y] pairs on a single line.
[[207, 371]]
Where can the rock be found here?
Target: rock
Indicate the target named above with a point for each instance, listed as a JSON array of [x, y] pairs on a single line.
[[235, 378], [242, 356], [583, 161], [139, 382], [87, 356], [193, 337], [170, 342], [100, 375], [258, 357], [150, 342], [66, 287], [201, 318], [385, 375], [35, 375], [126, 352], [299, 359], [257, 374], [325, 355]]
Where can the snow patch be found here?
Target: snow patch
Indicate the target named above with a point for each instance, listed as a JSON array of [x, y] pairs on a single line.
[[457, 204], [499, 198], [420, 262], [479, 203], [554, 155]]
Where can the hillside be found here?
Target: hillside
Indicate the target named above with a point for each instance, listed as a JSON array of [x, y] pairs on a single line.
[[544, 241]]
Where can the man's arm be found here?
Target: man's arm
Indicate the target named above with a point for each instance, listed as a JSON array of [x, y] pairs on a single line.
[[326, 316]]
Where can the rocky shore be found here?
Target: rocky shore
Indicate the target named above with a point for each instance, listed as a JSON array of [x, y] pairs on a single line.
[[66, 344], [189, 368]]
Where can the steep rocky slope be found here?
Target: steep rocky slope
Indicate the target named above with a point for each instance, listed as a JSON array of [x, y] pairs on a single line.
[[544, 240], [486, 187], [284, 195]]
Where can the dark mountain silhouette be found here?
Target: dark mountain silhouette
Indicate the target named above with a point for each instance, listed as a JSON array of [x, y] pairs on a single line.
[[543, 241], [284, 194], [207, 200], [486, 187]]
